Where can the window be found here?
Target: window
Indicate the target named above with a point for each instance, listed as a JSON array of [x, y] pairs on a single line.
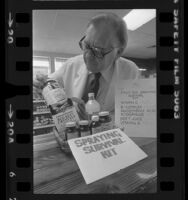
[[41, 65], [59, 62]]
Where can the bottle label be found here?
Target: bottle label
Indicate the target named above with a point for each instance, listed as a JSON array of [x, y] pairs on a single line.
[[93, 113], [85, 133], [72, 135], [106, 126], [68, 115], [52, 96], [96, 130]]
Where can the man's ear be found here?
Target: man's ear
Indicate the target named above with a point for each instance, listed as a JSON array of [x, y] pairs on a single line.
[[120, 52]]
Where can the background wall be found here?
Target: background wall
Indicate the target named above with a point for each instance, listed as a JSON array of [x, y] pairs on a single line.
[[148, 64]]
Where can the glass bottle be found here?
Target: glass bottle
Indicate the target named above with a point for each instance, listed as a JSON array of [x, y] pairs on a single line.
[[71, 131], [92, 106], [95, 125], [84, 128], [105, 120]]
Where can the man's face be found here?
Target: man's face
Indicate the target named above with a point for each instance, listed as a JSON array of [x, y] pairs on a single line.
[[101, 37]]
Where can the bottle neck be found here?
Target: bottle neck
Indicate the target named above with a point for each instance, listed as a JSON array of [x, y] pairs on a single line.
[[91, 98]]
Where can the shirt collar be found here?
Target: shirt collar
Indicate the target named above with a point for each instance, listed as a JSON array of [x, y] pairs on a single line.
[[107, 74]]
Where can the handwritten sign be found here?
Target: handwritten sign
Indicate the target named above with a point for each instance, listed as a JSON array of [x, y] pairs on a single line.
[[104, 153], [135, 107]]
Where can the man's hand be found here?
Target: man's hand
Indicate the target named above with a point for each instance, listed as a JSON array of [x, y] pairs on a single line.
[[80, 107], [38, 83]]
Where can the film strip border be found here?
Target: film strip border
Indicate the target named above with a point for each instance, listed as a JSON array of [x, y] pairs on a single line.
[[169, 102]]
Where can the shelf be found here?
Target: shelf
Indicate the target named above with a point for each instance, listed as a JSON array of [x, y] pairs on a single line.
[[41, 113], [45, 126], [38, 101]]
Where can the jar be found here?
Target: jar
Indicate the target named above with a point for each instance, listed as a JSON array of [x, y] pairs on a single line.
[[95, 124], [84, 128], [105, 120], [71, 131]]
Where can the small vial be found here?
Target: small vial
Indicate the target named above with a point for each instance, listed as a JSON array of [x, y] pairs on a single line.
[[105, 120], [95, 124], [71, 131], [84, 128]]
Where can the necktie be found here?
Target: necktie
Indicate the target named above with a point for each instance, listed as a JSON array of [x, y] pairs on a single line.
[[92, 85]]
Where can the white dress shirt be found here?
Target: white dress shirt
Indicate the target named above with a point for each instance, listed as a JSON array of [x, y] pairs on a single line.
[[73, 77]]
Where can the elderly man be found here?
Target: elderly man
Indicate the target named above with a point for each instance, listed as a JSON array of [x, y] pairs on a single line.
[[100, 66]]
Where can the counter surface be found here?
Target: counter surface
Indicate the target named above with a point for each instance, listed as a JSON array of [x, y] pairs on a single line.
[[58, 173]]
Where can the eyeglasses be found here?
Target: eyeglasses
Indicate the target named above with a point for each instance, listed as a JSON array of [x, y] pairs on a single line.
[[97, 52]]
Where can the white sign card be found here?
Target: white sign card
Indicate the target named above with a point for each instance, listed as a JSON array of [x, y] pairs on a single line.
[[135, 107], [104, 153]]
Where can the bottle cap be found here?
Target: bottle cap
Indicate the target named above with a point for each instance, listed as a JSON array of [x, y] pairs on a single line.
[[50, 80], [70, 124], [91, 94], [83, 122], [104, 113], [95, 118]]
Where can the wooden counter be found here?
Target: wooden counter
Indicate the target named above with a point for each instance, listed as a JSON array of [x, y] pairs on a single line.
[[57, 173]]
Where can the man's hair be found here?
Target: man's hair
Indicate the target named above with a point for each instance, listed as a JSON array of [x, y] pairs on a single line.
[[116, 23]]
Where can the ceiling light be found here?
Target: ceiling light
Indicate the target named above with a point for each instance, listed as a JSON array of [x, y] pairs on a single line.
[[138, 17], [142, 69]]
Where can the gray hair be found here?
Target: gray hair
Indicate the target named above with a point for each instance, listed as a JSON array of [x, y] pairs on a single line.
[[114, 21]]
